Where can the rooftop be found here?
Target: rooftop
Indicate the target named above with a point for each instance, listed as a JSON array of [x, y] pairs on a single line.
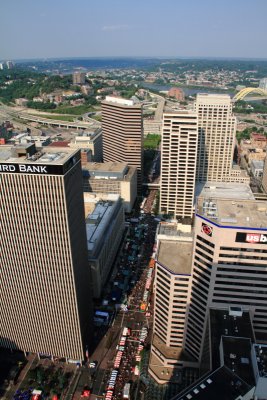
[[175, 353], [170, 229], [87, 135], [27, 154], [101, 211], [241, 213], [260, 353], [109, 170], [237, 357], [109, 166], [120, 101], [224, 190], [175, 256], [231, 204], [60, 143], [258, 164], [213, 98], [222, 384], [191, 113], [233, 330]]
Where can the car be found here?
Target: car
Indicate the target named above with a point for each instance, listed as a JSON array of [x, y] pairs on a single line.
[[86, 393]]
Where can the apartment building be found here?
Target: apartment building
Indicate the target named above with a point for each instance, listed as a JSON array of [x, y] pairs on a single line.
[[178, 163], [45, 288]]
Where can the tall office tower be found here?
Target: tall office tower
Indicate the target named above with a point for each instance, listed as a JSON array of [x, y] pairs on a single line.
[[172, 286], [216, 136], [229, 260], [122, 133], [45, 287], [178, 163]]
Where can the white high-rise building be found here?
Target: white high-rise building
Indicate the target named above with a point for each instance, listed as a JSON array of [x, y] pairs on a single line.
[[263, 84], [178, 163], [216, 136], [229, 260]]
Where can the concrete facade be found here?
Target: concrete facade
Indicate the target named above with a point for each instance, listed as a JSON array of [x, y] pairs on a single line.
[[229, 263], [216, 137], [178, 163], [114, 178], [104, 228], [172, 286], [123, 133], [90, 141]]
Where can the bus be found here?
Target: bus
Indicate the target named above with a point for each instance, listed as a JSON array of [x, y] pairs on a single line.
[[126, 391], [103, 315]]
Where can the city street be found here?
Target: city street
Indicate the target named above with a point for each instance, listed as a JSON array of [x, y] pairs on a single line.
[[115, 345]]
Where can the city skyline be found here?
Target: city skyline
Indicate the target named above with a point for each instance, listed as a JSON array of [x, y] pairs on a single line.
[[119, 29]]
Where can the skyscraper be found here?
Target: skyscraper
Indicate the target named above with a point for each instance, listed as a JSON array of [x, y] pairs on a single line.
[[178, 163], [171, 295], [216, 135], [45, 287], [229, 260], [122, 131]]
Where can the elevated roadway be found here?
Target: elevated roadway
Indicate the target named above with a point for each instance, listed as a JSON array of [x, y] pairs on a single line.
[[57, 123]]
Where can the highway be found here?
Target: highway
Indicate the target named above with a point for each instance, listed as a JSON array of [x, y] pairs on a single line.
[[24, 114], [160, 108]]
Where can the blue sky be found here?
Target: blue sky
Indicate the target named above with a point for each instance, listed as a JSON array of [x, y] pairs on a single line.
[[107, 28]]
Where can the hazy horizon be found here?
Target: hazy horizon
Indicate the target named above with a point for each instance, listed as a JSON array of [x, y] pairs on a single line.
[[137, 57], [64, 29]]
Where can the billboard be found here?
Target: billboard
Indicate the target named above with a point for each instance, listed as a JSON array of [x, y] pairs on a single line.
[[38, 169], [256, 238]]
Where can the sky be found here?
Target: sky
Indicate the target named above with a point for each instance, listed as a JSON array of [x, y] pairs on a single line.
[[130, 28]]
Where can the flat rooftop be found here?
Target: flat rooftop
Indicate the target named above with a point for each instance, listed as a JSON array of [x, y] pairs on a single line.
[[172, 230], [110, 170], [260, 353], [237, 357], [176, 256], [241, 213], [27, 154], [174, 353], [232, 329], [121, 101], [224, 190], [222, 384], [206, 97], [109, 166], [87, 134], [99, 220], [191, 113], [257, 164]]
